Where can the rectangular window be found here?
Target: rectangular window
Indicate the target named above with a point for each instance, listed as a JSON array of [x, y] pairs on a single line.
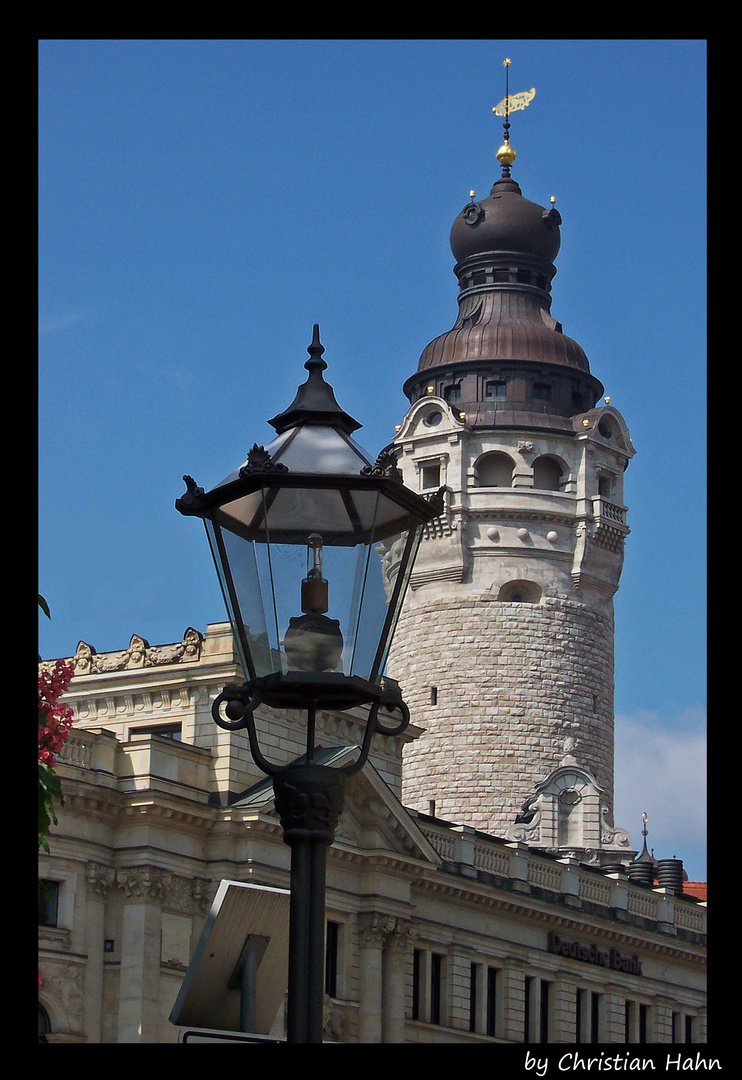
[[473, 995], [436, 988], [168, 731], [544, 1012], [541, 391], [48, 903], [430, 477], [492, 1001], [434, 695], [453, 392], [580, 1015], [416, 979], [596, 1008], [332, 938]]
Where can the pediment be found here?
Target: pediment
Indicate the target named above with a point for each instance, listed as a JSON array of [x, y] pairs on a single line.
[[373, 819], [431, 415]]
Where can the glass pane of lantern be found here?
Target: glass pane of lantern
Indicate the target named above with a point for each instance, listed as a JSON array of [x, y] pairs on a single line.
[[311, 576], [237, 569], [317, 449]]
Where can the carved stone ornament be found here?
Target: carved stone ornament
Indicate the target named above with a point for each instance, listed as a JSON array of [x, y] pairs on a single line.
[[259, 461], [139, 654]]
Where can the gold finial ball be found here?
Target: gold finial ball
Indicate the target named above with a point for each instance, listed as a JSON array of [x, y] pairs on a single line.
[[472, 194], [506, 155], [552, 200]]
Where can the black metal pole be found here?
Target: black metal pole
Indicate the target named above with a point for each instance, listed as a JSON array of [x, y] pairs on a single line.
[[309, 799]]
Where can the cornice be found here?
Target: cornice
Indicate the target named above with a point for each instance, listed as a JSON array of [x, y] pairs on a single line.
[[532, 908]]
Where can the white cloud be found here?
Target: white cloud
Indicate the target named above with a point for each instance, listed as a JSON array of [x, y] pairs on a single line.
[[660, 768]]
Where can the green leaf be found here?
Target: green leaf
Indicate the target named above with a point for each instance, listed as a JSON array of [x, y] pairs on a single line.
[[44, 606]]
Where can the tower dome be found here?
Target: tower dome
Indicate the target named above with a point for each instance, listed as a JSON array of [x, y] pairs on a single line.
[[505, 221]]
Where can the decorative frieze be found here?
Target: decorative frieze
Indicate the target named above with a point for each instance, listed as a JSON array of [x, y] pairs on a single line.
[[139, 654]]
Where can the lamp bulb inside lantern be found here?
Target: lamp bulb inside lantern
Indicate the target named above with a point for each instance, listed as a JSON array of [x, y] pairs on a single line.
[[313, 642]]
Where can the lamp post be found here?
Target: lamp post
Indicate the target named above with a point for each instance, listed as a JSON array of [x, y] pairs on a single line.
[[310, 522]]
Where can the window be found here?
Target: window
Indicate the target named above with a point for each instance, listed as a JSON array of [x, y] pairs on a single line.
[[492, 979], [495, 389], [547, 473], [495, 470], [452, 392], [436, 988], [332, 939], [537, 1010], [474, 970], [569, 824], [417, 966], [44, 1024], [520, 592], [637, 1019], [430, 476], [168, 731], [48, 903], [541, 391], [428, 986], [588, 1019], [682, 1027]]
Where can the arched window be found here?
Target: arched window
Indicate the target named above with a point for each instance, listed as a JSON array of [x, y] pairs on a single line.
[[520, 592], [44, 1024], [495, 470], [547, 473]]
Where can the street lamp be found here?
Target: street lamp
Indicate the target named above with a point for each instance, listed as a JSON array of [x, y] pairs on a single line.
[[313, 544]]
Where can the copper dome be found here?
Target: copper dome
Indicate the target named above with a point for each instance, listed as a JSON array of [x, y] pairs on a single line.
[[505, 221]]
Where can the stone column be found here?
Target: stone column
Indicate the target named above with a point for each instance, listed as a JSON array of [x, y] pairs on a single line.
[[139, 985], [565, 1010], [394, 958], [513, 993], [99, 881], [373, 929]]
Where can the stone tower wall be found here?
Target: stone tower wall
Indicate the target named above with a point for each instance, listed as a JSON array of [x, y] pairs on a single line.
[[498, 688]]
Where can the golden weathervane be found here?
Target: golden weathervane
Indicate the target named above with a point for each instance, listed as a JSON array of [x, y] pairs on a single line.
[[510, 103]]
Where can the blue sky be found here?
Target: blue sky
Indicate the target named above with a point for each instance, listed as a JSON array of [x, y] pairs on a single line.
[[203, 202]]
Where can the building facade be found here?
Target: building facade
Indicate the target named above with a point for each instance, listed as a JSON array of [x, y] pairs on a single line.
[[437, 931]]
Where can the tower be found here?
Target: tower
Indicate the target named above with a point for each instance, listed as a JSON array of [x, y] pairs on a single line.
[[505, 647]]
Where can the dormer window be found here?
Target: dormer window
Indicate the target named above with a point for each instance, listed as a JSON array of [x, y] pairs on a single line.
[[495, 389]]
